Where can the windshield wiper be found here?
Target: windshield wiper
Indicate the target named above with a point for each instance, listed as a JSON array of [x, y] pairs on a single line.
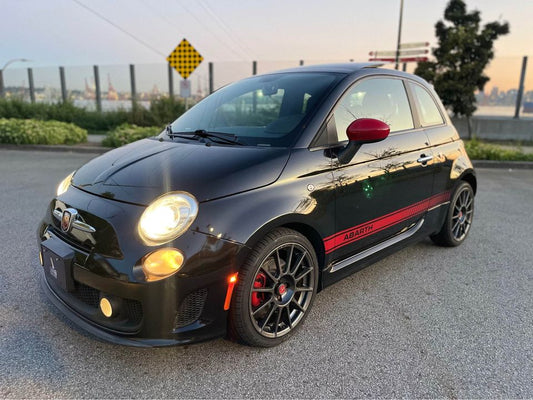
[[183, 135], [224, 137], [202, 133]]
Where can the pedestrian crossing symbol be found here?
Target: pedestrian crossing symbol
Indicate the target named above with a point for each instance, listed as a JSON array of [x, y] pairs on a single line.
[[184, 59]]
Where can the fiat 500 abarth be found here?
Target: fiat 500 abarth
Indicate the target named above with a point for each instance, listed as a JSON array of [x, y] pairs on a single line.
[[240, 211]]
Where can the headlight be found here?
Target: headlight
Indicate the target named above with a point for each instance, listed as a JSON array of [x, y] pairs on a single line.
[[167, 218], [65, 183]]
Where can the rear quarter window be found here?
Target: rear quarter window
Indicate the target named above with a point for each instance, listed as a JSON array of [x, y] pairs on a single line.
[[427, 108]]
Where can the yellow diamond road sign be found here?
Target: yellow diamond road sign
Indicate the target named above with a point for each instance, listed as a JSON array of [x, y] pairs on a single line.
[[184, 58]]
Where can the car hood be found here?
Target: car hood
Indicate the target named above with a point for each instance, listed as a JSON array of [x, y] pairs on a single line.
[[141, 171]]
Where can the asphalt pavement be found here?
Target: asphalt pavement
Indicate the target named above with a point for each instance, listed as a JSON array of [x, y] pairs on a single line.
[[425, 322]]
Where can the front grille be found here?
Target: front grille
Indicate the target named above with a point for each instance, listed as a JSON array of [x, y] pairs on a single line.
[[190, 308], [134, 311], [87, 294]]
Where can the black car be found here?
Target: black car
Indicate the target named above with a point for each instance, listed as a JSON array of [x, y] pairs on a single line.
[[240, 211]]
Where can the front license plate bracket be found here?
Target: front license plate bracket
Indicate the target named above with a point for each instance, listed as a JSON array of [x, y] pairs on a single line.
[[57, 263]]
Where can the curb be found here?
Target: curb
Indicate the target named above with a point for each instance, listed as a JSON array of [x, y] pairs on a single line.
[[503, 164], [58, 148], [102, 150]]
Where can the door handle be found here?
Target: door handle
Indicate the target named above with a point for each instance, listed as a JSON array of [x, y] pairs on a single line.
[[424, 159]]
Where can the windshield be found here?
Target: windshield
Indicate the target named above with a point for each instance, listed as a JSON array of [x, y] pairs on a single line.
[[267, 110]]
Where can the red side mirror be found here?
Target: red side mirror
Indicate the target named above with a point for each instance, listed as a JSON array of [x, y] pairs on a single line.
[[367, 130]]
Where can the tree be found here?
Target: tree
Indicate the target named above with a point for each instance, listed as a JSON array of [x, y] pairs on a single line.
[[463, 52]]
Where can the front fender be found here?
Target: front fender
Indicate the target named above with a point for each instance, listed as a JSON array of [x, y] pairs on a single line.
[[246, 217]]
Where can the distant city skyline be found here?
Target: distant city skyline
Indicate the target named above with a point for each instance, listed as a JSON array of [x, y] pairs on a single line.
[[65, 32]]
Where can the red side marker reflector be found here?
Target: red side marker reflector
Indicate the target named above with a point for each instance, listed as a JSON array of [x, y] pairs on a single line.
[[232, 280]]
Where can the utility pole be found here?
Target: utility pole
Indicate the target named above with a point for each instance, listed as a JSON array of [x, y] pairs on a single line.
[[399, 37]]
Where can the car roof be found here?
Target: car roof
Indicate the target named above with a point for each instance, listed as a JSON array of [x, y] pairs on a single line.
[[352, 69], [346, 68]]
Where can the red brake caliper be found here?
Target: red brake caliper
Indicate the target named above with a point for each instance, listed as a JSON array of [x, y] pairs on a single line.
[[260, 282]]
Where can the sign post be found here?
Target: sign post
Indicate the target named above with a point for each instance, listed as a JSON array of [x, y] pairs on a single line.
[[184, 59]]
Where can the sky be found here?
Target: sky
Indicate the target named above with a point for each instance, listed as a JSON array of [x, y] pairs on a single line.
[[65, 32]]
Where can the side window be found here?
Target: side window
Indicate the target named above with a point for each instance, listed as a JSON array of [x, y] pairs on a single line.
[[428, 110], [380, 98]]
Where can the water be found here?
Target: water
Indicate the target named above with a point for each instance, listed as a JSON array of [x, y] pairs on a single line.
[[499, 111], [109, 105]]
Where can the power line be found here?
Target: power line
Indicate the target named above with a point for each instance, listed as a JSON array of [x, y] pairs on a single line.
[[173, 24], [119, 28], [161, 16], [225, 28], [207, 28]]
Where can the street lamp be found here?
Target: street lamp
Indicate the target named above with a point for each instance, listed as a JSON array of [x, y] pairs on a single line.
[[2, 72]]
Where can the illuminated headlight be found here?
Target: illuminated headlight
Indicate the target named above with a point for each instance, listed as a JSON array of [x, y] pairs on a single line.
[[65, 183], [167, 218]]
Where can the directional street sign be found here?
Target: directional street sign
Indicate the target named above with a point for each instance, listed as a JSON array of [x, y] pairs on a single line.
[[401, 59], [413, 45], [403, 53], [408, 52], [184, 59]]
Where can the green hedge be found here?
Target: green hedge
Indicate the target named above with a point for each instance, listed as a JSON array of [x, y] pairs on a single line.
[[31, 131], [64, 112], [127, 133], [478, 150], [161, 112]]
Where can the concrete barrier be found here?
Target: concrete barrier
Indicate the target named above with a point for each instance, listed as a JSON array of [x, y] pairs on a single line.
[[496, 128]]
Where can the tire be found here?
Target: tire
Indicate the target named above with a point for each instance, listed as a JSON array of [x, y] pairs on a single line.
[[275, 291], [458, 218]]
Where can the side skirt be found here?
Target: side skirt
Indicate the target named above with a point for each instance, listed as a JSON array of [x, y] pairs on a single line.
[[377, 248]]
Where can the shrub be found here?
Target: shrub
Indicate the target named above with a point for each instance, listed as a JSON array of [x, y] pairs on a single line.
[[31, 131], [127, 133], [478, 150], [161, 112], [165, 110], [65, 112]]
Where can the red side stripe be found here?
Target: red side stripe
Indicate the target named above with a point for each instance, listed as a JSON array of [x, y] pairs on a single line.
[[422, 202], [376, 225]]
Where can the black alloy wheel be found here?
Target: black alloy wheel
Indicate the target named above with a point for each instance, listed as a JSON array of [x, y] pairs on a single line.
[[459, 217], [276, 289]]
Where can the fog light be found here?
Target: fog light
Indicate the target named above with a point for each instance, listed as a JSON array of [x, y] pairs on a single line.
[[106, 307], [161, 264], [41, 258]]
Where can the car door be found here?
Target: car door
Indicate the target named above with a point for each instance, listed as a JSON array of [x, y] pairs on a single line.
[[441, 134], [384, 189]]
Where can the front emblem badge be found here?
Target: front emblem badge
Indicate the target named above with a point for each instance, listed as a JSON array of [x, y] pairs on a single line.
[[68, 217]]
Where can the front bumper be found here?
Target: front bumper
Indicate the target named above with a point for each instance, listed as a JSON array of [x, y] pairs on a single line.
[[89, 326], [184, 308]]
